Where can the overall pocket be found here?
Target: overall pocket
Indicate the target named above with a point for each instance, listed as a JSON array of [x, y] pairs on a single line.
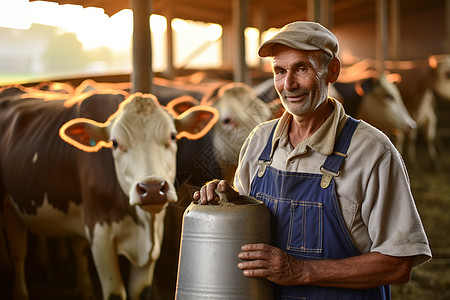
[[305, 236]]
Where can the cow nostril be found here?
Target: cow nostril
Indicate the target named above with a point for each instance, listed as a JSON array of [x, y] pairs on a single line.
[[164, 188], [142, 189]]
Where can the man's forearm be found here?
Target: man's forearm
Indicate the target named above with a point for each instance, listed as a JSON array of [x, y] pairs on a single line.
[[359, 272]]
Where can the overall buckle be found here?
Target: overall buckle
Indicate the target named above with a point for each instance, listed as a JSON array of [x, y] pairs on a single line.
[[262, 166], [326, 177]]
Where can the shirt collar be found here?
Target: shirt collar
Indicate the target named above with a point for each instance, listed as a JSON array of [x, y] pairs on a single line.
[[321, 141]]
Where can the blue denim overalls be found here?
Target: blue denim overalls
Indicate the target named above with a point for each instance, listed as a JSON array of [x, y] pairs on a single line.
[[306, 218]]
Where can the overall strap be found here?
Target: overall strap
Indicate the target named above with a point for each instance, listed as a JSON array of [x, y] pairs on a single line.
[[332, 164], [265, 158]]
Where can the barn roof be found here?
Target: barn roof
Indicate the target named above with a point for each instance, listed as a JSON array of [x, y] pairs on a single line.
[[262, 13]]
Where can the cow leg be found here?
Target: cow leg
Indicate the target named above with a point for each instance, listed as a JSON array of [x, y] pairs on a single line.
[[140, 286], [411, 147], [107, 264], [5, 260], [141, 278], [398, 139], [16, 233], [5, 265], [430, 136], [41, 254], [80, 248]]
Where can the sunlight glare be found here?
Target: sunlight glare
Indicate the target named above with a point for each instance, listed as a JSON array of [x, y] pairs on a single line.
[[269, 33], [121, 30], [214, 32], [14, 14], [93, 30], [179, 25], [46, 13], [251, 45], [158, 24]]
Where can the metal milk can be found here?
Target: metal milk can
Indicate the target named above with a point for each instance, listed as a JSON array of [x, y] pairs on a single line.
[[212, 236]]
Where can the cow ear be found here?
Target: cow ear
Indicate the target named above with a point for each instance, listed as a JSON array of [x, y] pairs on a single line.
[[196, 122], [181, 104], [85, 134]]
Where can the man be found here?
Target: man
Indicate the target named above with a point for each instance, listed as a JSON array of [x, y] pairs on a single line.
[[345, 222]]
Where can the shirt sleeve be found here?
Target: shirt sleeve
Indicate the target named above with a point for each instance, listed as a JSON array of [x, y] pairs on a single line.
[[393, 222], [242, 176], [248, 156]]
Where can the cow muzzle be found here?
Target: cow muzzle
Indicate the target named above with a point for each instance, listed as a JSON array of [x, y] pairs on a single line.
[[151, 193]]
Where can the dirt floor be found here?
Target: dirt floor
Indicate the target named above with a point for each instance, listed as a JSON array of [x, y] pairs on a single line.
[[431, 189]]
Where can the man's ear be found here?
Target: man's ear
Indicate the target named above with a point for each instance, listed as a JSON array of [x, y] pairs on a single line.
[[334, 68]]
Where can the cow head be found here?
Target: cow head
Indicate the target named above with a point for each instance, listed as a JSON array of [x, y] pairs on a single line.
[[383, 107], [240, 111], [441, 75], [142, 137]]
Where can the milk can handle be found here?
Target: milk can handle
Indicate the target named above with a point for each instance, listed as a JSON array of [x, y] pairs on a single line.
[[222, 196]]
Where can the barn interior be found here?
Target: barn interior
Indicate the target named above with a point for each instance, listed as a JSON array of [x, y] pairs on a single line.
[[394, 36]]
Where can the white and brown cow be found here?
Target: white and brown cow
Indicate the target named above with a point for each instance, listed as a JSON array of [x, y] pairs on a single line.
[[128, 155]]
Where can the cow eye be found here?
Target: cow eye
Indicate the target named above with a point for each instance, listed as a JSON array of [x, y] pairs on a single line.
[[115, 144], [172, 139], [389, 97], [227, 121]]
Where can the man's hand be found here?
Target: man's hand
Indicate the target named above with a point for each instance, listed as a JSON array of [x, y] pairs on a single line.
[[269, 262], [207, 193]]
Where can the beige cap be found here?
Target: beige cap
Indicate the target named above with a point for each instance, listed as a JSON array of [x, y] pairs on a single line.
[[302, 35]]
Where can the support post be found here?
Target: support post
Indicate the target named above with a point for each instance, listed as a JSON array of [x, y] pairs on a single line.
[[447, 26], [142, 74], [394, 25], [381, 33], [169, 73], [240, 14]]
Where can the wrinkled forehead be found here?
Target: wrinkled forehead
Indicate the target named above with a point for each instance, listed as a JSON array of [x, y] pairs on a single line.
[[282, 54]]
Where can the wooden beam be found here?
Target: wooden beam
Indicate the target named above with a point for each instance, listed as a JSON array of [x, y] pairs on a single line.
[[261, 24], [381, 33], [394, 30], [326, 13], [447, 26], [142, 74], [169, 72], [313, 10], [240, 16]]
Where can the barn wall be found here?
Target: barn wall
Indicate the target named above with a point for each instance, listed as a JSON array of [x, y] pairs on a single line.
[[421, 34]]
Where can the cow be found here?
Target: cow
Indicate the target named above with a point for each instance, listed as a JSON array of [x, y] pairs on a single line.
[[378, 102], [425, 85], [99, 167], [240, 111]]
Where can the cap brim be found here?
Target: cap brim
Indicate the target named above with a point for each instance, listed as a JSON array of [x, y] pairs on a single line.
[[266, 48]]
